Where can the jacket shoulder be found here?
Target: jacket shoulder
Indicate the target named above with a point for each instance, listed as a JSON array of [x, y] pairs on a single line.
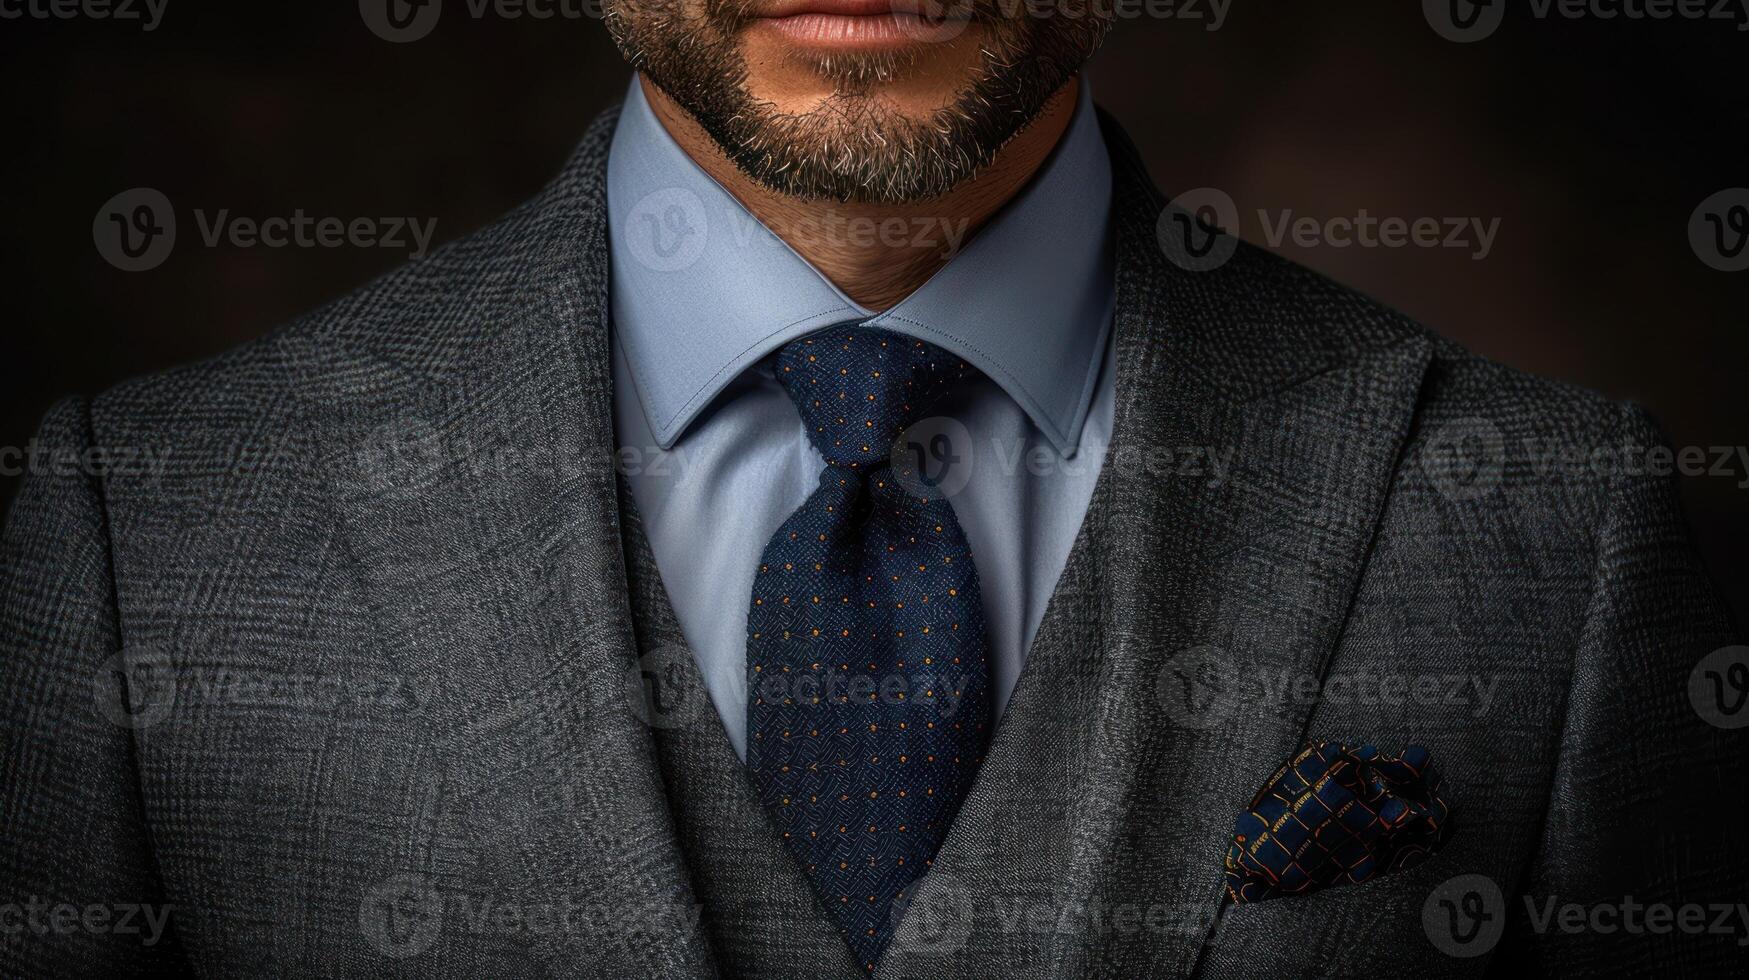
[[368, 338], [410, 326], [1328, 322]]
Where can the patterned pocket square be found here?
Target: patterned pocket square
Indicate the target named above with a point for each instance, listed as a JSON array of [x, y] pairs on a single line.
[[1335, 815]]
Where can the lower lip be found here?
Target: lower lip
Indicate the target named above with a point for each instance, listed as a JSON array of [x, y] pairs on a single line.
[[864, 33]]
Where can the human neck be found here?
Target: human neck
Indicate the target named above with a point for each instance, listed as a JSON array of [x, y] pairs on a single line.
[[873, 262]]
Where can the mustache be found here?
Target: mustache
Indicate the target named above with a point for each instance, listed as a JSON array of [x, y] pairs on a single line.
[[741, 12]]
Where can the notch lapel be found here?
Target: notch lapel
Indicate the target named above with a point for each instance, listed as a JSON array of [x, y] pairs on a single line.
[[481, 518], [1092, 840]]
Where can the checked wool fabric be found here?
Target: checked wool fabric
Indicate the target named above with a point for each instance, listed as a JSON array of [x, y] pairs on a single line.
[[1334, 815], [868, 706], [308, 564]]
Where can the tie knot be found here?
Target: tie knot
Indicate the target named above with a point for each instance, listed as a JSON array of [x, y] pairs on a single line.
[[859, 388]]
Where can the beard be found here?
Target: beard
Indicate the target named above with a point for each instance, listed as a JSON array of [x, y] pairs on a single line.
[[856, 146]]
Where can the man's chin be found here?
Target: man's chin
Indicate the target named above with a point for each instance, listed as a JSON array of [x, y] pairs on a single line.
[[866, 87], [873, 123], [854, 73], [914, 80], [863, 109]]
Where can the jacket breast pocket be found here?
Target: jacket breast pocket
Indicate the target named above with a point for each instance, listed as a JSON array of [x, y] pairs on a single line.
[[1414, 922]]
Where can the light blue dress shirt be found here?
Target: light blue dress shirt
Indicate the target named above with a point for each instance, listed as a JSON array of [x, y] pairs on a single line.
[[716, 455]]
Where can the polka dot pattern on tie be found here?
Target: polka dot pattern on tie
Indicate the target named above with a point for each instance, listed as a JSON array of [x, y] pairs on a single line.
[[868, 704]]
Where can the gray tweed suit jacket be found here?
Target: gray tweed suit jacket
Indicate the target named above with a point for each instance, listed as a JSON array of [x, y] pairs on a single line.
[[328, 647]]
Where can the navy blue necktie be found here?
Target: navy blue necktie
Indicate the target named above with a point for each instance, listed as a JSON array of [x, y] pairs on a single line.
[[868, 704]]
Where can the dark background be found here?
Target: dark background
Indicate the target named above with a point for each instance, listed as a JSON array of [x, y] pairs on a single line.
[[1592, 141]]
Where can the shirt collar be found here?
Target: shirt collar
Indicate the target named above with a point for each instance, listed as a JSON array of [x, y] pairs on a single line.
[[701, 291]]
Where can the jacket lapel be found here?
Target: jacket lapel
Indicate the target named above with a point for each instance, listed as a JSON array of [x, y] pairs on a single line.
[[482, 521], [1209, 585]]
